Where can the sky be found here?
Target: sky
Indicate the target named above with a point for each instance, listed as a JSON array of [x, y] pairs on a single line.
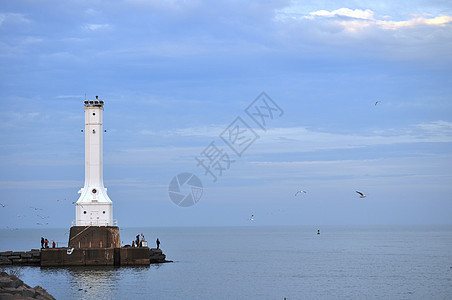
[[182, 79]]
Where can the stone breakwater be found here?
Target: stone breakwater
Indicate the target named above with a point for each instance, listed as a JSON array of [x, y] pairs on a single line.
[[54, 257], [32, 257], [12, 287]]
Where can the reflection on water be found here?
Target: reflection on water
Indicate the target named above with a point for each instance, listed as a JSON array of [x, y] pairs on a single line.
[[99, 282]]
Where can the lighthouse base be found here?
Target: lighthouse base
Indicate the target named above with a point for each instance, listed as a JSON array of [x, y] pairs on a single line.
[[94, 237]]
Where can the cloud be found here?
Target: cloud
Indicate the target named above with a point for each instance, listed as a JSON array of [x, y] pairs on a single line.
[[347, 12], [97, 27], [441, 21], [423, 172], [276, 141], [437, 128], [301, 139], [354, 20], [12, 18], [39, 184], [204, 131]]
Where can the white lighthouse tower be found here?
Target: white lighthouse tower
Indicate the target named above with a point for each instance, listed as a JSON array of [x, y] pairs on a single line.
[[94, 207]]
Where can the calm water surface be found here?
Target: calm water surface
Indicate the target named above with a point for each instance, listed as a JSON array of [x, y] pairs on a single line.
[[262, 263]]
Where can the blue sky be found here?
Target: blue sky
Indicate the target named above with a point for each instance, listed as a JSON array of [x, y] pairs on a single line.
[[175, 74]]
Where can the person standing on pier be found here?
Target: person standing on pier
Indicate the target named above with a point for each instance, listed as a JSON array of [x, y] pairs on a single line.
[[158, 243], [42, 242]]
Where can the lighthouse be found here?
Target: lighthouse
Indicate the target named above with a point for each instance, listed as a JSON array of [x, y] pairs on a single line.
[[94, 207], [94, 236], [94, 226]]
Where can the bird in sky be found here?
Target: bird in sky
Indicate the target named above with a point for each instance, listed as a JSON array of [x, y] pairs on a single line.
[[35, 208], [42, 223], [3, 205], [42, 217], [376, 102], [252, 218], [60, 200], [361, 195], [300, 191]]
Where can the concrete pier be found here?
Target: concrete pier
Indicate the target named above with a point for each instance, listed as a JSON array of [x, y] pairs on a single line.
[[60, 257], [88, 246]]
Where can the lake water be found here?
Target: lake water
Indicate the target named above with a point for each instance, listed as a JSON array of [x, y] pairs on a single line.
[[261, 263]]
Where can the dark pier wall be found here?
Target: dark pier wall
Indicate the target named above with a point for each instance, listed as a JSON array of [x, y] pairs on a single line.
[[126, 256], [56, 257], [59, 257], [94, 237]]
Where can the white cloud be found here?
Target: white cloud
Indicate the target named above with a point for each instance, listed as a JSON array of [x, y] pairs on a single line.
[[353, 20], [278, 141], [12, 18], [97, 27], [347, 12], [415, 21], [442, 128]]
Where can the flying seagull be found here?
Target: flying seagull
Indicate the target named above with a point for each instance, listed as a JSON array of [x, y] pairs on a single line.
[[35, 208], [300, 191], [252, 218], [3, 205], [361, 195], [42, 217], [377, 103]]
